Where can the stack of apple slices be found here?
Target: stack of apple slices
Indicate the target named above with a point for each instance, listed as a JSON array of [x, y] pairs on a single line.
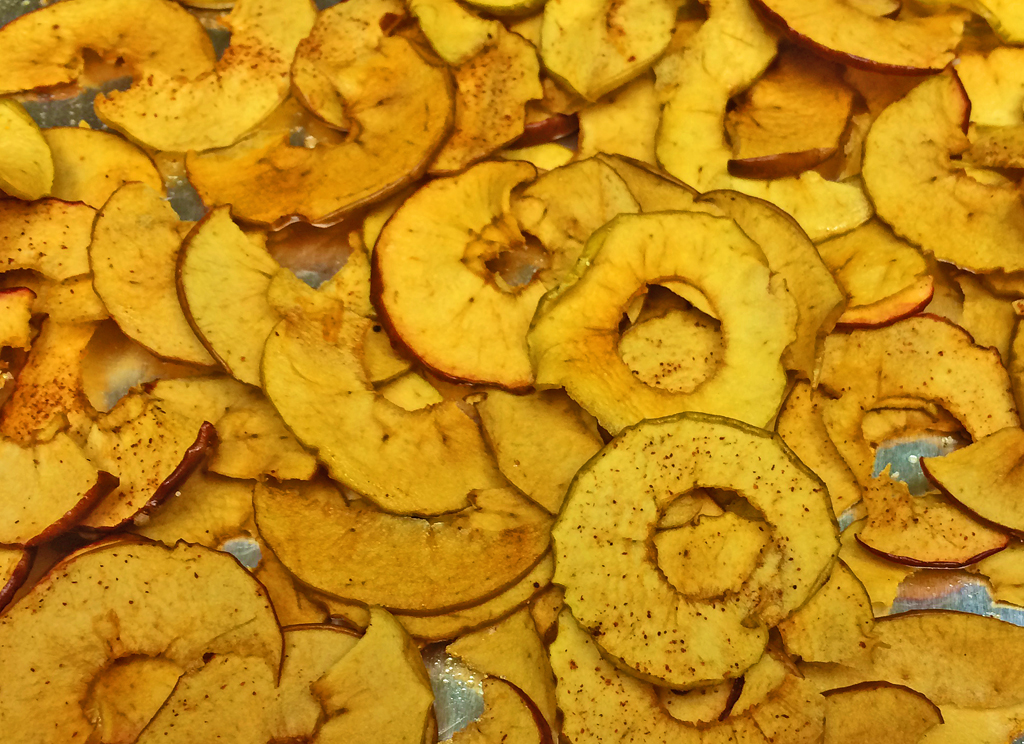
[[608, 421]]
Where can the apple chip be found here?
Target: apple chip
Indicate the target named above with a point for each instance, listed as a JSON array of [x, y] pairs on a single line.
[[506, 7], [15, 564], [134, 256], [491, 92], [138, 612], [223, 275], [254, 443], [71, 301], [216, 109], [45, 48], [841, 31], [389, 91], [996, 147], [880, 577], [456, 34], [49, 236], [1003, 574], [701, 704], [540, 441], [603, 559], [924, 530], [726, 56], [989, 319], [652, 189], [26, 166], [1004, 16], [623, 123], [294, 603], [15, 317], [595, 46], [52, 486], [509, 716], [153, 439], [425, 566], [995, 86], [575, 334], [925, 196], [790, 120], [874, 711]]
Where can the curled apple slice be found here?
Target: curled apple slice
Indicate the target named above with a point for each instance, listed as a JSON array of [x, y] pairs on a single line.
[[137, 613], [49, 236], [15, 563], [615, 586], [26, 166], [425, 567], [45, 48], [574, 337]]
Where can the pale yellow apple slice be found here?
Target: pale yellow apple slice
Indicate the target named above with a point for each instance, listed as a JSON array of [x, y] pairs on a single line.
[[73, 300], [410, 392], [880, 577], [996, 147], [165, 112], [603, 559], [1004, 16], [424, 568], [45, 48], [26, 165], [574, 337], [990, 319], [254, 443], [595, 46], [122, 598], [701, 704], [993, 81], [223, 275], [389, 91], [456, 34], [15, 317], [624, 122], [15, 564], [48, 236], [52, 486], [728, 53], [509, 716], [126, 694], [134, 256], [878, 710], [294, 603]]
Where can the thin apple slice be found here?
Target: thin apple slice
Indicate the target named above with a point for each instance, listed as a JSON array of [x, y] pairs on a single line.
[[841, 31], [253, 443], [55, 485], [45, 48], [72, 301], [410, 392], [991, 726], [216, 109], [790, 120], [15, 564], [491, 92], [996, 147], [726, 56], [925, 196], [1003, 572], [701, 704], [313, 373], [599, 534], [540, 441], [90, 165], [126, 694], [49, 236], [26, 166], [388, 91], [984, 477], [878, 710], [544, 157], [456, 34], [624, 122], [134, 254], [880, 577], [653, 190], [509, 716], [15, 317], [574, 337], [424, 568], [993, 83], [65, 632], [620, 40], [48, 394], [294, 603], [153, 439], [991, 320], [1004, 16], [223, 276]]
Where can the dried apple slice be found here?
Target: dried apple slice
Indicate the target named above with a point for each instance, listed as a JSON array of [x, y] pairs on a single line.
[[126, 694], [223, 276], [15, 564], [294, 603], [726, 56], [603, 558], [491, 92], [880, 577], [424, 568], [216, 109], [455, 34], [878, 710], [506, 7], [72, 301], [153, 439], [989, 319], [841, 31], [574, 337], [623, 123], [52, 486], [652, 189], [134, 254], [16, 317], [701, 704], [136, 612], [389, 91], [509, 716], [540, 441], [595, 46], [1004, 16], [925, 196], [993, 82], [996, 147], [48, 236], [45, 48], [790, 120], [253, 443], [26, 166]]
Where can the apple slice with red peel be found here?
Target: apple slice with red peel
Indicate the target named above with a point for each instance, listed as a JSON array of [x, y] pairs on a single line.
[[15, 564], [984, 477], [26, 167], [134, 254], [843, 32], [45, 48], [543, 127], [874, 711], [16, 317], [424, 568], [926, 530], [65, 632], [89, 165], [49, 236]]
